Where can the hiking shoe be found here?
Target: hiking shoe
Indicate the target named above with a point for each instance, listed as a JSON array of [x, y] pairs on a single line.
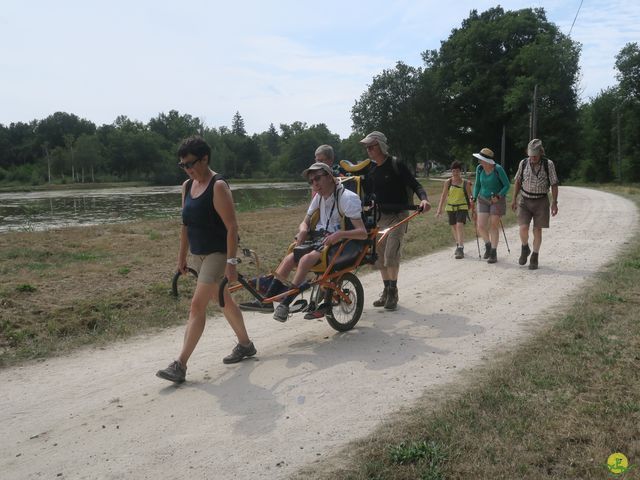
[[316, 312], [392, 299], [459, 253], [383, 298], [175, 372], [282, 313], [239, 352], [487, 250], [256, 306], [524, 254], [533, 261], [493, 256]]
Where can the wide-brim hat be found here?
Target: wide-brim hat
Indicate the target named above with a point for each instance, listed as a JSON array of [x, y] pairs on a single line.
[[317, 166], [485, 155]]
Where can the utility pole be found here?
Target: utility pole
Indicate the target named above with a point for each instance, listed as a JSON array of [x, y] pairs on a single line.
[[533, 119], [619, 155]]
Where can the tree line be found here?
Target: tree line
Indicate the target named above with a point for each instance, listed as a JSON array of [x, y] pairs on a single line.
[[498, 80]]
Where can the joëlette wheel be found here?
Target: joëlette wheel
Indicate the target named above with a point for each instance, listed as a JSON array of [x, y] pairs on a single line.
[[343, 315]]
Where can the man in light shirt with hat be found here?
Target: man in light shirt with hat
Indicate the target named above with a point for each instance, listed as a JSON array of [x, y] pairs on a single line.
[[536, 174]]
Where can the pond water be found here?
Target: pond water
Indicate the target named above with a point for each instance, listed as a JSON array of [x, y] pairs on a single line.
[[30, 211]]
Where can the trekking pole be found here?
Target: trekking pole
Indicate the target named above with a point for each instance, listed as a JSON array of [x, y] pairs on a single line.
[[505, 236]]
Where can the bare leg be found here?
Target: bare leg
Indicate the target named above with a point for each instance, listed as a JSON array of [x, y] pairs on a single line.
[[390, 273], [483, 220], [197, 317], [494, 230], [537, 238], [460, 237], [524, 234]]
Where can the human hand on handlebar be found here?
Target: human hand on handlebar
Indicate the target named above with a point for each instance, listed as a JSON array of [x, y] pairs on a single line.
[[425, 206]]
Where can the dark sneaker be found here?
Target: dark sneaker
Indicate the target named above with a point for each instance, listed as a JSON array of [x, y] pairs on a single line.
[[282, 313], [459, 253], [524, 254], [256, 306], [239, 352], [392, 299], [533, 261], [383, 298], [493, 256], [174, 372], [316, 313], [487, 250]]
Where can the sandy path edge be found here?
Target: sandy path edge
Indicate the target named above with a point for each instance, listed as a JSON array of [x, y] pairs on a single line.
[[101, 413]]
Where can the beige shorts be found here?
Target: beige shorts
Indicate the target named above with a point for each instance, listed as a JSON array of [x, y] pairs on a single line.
[[485, 206], [210, 267], [390, 250]]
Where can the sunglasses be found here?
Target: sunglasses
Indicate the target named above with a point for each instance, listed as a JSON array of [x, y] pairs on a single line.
[[317, 178], [185, 165], [371, 147]]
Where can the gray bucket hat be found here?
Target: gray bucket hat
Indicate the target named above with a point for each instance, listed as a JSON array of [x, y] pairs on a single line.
[[535, 147], [317, 166], [376, 137]]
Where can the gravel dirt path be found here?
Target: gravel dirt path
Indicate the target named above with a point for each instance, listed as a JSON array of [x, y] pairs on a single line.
[[102, 413]]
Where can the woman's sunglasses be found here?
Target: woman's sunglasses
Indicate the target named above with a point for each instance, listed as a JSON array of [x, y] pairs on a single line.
[[185, 165]]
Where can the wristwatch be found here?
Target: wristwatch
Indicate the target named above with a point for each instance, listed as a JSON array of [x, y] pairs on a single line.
[[233, 261]]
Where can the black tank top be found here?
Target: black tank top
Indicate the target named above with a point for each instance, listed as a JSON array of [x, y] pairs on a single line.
[[205, 229]]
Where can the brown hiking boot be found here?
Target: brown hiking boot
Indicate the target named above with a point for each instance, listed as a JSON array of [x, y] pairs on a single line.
[[392, 299], [383, 298], [533, 261], [524, 254]]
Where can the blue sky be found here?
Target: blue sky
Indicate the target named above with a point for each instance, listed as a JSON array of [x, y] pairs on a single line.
[[273, 61]]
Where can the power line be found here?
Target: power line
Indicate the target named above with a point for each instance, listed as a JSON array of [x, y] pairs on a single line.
[[575, 18]]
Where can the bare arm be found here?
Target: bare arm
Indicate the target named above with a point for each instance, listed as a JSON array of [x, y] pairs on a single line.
[[358, 232], [443, 196], [303, 230], [223, 203], [183, 249], [554, 202], [516, 191]]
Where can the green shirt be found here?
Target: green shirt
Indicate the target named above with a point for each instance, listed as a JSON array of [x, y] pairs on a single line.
[[494, 183]]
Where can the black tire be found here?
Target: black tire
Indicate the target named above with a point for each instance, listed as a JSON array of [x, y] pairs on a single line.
[[176, 276], [343, 316]]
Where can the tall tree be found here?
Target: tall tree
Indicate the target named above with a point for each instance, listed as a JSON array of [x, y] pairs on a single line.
[[175, 127], [389, 106], [486, 73], [237, 125]]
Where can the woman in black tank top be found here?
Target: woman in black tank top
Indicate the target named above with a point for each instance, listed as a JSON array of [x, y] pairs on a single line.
[[210, 232]]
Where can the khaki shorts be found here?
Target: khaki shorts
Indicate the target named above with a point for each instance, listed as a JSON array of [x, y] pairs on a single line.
[[536, 209], [210, 267], [390, 250], [499, 208]]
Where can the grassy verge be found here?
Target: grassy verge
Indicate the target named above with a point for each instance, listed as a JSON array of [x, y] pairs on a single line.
[[66, 288], [557, 407]]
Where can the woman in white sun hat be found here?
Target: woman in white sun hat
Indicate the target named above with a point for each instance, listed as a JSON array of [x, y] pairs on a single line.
[[489, 192]]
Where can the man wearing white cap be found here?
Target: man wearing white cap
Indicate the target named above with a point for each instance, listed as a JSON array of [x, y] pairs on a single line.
[[390, 181], [536, 174]]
